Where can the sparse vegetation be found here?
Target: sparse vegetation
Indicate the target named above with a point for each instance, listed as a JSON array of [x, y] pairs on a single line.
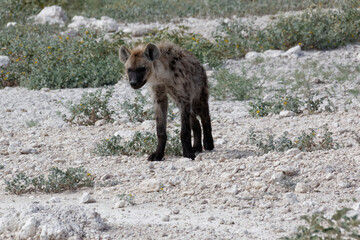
[[261, 108], [93, 106], [129, 198], [339, 226], [41, 57], [232, 86], [56, 181], [306, 142], [140, 144], [138, 109]]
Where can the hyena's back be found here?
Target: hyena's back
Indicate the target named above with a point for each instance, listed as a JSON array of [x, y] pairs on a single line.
[[182, 74]]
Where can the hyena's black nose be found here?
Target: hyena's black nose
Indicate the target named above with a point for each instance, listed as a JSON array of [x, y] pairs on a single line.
[[133, 83]]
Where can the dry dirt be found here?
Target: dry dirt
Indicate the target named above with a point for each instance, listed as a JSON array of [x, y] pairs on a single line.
[[228, 193]]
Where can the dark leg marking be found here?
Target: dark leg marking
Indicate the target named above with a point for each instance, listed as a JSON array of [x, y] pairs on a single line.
[[206, 124], [161, 107], [185, 133]]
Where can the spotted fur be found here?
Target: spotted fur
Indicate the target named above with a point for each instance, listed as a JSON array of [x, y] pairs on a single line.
[[171, 71]]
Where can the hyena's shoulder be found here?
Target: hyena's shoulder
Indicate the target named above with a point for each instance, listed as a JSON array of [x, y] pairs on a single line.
[[179, 60]]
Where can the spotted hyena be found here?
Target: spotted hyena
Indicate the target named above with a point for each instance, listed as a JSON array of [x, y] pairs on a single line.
[[171, 71]]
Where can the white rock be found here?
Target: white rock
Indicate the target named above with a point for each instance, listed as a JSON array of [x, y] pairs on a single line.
[[356, 206], [120, 204], [87, 198], [149, 185], [51, 15], [166, 218], [125, 134], [290, 198], [293, 151], [78, 22], [273, 53], [301, 187], [4, 61], [54, 200], [100, 122], [293, 52], [175, 211], [11, 24], [277, 177], [287, 113], [288, 170], [106, 24], [29, 229], [220, 141], [358, 57], [253, 55]]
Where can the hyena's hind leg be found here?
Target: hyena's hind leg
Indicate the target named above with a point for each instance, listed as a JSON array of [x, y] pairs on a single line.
[[206, 124], [196, 128]]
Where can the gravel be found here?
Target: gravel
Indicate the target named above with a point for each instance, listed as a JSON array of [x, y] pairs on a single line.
[[230, 192]]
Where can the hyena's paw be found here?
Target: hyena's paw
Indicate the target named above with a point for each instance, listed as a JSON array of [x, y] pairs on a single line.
[[156, 156], [209, 145], [197, 149], [189, 155]]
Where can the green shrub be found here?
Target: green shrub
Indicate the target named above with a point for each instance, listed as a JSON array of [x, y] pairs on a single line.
[[313, 29], [40, 57], [339, 226], [56, 181], [135, 110], [261, 108], [306, 142], [141, 143], [144, 10], [232, 86], [93, 106]]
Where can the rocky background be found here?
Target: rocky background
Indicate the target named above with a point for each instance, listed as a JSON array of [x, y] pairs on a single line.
[[231, 192]]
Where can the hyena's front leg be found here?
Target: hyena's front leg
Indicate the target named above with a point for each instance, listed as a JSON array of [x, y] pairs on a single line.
[[185, 133], [161, 108]]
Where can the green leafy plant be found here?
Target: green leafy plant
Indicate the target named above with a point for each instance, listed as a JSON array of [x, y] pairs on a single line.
[[306, 142], [56, 181], [136, 110], [140, 144], [127, 198], [32, 123], [41, 57], [339, 226], [312, 29], [261, 108], [93, 106], [232, 86]]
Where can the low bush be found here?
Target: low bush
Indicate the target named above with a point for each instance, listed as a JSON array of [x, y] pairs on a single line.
[[141, 143], [40, 58], [93, 106], [56, 181], [232, 86], [339, 226], [306, 142]]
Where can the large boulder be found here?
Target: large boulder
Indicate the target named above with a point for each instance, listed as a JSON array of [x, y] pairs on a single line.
[[51, 15]]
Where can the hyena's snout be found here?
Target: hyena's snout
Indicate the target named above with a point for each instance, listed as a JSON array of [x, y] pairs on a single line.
[[137, 77]]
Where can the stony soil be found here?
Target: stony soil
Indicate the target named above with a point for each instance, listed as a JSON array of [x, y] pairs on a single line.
[[228, 193]]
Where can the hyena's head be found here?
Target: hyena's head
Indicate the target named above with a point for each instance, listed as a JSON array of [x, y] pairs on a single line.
[[139, 63]]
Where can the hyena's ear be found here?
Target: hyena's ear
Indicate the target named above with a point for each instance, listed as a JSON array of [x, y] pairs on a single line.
[[124, 54], [152, 52]]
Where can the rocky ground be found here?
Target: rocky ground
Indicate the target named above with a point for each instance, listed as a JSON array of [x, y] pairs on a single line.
[[228, 193]]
